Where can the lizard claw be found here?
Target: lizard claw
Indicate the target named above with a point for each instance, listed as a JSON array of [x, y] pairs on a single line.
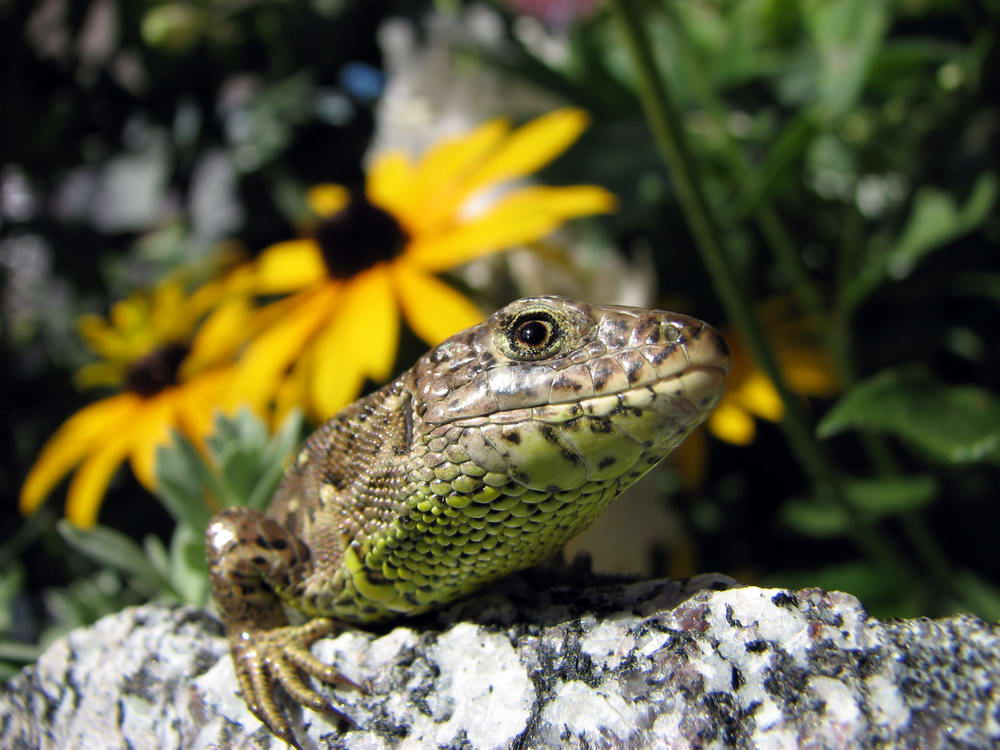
[[281, 655]]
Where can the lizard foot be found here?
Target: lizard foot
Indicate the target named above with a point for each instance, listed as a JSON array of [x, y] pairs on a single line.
[[281, 655]]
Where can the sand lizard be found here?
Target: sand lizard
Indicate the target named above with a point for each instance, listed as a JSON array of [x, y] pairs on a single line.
[[493, 450]]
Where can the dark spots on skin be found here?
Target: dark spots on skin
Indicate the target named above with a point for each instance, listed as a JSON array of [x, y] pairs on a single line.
[[564, 383], [615, 336], [521, 477], [368, 609], [633, 370], [334, 479], [601, 373], [259, 560], [549, 433], [653, 460], [512, 437], [570, 456], [647, 331], [606, 462], [553, 488], [600, 425], [662, 354]]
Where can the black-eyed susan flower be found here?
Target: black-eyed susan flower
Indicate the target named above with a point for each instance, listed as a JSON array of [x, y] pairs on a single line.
[[144, 349], [374, 253], [806, 365]]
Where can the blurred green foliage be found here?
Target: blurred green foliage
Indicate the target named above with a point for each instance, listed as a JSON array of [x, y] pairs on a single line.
[[848, 149]]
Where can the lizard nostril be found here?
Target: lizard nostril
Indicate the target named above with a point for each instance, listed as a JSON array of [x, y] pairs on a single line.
[[671, 332]]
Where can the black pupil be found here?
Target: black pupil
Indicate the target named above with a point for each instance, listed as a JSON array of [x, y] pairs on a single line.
[[532, 333]]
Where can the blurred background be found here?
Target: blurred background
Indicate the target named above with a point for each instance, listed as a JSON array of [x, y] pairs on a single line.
[[183, 184]]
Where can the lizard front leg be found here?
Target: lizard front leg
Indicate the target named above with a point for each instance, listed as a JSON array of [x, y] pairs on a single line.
[[251, 558]]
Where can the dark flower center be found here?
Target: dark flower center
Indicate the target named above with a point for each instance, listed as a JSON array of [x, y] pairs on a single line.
[[359, 237], [156, 371]]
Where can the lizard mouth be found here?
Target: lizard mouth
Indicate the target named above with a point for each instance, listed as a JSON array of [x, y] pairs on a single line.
[[694, 390]]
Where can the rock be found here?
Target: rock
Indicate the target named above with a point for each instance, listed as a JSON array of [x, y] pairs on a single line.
[[651, 664]]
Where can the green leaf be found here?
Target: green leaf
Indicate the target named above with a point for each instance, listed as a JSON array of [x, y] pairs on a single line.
[[847, 34], [11, 582], [275, 458], [185, 484], [936, 220], [891, 495], [114, 549], [157, 555], [873, 499], [954, 424], [23, 653], [188, 568]]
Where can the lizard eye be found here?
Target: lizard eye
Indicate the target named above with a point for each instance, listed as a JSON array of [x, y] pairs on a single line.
[[533, 334]]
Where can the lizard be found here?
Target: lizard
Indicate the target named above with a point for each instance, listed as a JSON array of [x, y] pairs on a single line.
[[493, 450]]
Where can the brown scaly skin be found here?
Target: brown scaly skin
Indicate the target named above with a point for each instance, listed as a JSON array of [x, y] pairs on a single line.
[[493, 450]]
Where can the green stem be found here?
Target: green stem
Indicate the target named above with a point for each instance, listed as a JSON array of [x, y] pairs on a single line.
[[665, 124]]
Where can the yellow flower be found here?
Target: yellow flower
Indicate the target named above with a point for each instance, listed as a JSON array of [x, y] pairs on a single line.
[[374, 253], [806, 365], [143, 348]]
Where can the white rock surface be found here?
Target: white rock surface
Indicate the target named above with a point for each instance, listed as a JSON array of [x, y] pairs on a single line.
[[640, 665]]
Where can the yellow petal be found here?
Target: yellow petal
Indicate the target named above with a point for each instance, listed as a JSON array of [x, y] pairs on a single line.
[[218, 339], [91, 480], [289, 266], [293, 391], [77, 437], [522, 216], [97, 374], [377, 330], [438, 186], [433, 310], [810, 372], [360, 341], [151, 429], [529, 148], [270, 354], [758, 395], [236, 281], [198, 401], [328, 199], [731, 423], [390, 186]]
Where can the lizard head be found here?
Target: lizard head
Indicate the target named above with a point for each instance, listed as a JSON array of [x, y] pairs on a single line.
[[557, 394]]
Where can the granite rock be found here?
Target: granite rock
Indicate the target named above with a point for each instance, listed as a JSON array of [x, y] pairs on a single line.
[[680, 664]]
